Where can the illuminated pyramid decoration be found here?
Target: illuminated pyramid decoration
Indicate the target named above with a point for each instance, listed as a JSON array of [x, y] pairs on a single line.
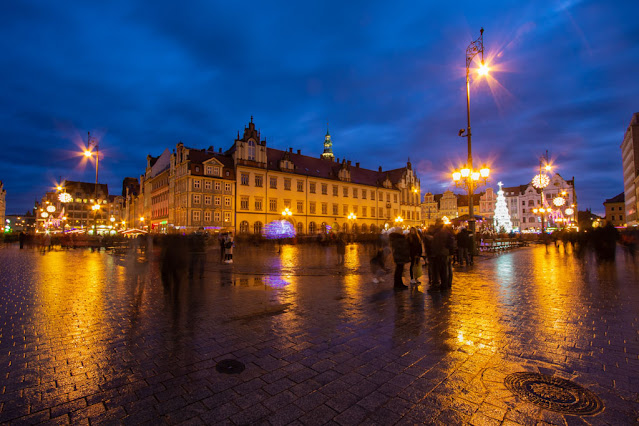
[[501, 219]]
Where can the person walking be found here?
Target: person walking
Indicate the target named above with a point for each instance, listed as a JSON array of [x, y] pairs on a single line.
[[463, 241], [443, 246], [197, 252], [22, 238], [401, 256], [415, 245], [341, 248]]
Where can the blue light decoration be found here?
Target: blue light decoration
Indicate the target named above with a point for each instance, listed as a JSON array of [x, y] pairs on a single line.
[[278, 229], [275, 281]]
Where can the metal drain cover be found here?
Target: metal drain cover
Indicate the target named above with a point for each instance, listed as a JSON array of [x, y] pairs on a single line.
[[553, 393], [229, 366]]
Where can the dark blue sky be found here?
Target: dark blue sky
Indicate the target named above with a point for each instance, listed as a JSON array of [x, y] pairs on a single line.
[[389, 76]]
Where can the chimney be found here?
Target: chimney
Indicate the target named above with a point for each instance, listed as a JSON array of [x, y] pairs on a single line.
[[299, 151], [380, 169], [290, 150], [357, 165], [348, 162], [338, 159]]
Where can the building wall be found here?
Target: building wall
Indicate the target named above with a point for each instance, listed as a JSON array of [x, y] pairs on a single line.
[[630, 162], [615, 213], [3, 206]]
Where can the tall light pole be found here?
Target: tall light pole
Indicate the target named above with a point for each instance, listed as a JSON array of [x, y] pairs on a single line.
[[472, 50], [88, 153]]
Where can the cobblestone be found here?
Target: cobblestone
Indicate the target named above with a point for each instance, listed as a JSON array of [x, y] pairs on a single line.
[[92, 338]]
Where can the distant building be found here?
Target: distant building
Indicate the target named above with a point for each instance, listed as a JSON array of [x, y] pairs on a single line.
[[615, 210], [630, 164]]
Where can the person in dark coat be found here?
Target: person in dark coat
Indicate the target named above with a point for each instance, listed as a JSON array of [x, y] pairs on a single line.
[[415, 245], [401, 256], [463, 243], [341, 248], [443, 246]]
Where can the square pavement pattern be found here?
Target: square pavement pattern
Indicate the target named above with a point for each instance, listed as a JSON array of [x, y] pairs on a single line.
[[91, 337]]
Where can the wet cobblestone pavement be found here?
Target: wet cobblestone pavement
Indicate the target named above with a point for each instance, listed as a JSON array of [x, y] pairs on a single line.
[[92, 338]]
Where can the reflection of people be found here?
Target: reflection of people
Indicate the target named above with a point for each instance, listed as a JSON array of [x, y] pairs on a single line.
[[401, 256], [341, 248]]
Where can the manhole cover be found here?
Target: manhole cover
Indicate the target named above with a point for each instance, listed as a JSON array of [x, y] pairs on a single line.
[[229, 366], [553, 393]]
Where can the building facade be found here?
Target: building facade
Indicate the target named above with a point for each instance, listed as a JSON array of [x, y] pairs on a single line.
[[615, 210], [630, 164], [3, 205]]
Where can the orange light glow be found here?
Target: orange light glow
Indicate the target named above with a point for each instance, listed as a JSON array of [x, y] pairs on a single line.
[[483, 69]]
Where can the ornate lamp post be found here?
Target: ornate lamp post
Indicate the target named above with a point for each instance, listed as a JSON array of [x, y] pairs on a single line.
[[472, 176]]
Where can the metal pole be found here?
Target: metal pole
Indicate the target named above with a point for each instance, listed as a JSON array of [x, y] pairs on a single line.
[[469, 181]]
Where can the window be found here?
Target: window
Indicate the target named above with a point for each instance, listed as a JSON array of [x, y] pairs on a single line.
[[244, 203], [227, 201], [523, 210], [381, 196], [345, 191], [523, 203], [354, 192], [300, 207], [335, 209], [207, 216], [258, 180], [364, 194], [334, 190], [196, 184], [523, 220], [218, 201], [244, 178], [216, 171], [251, 151], [388, 198], [345, 209], [197, 168], [394, 198], [244, 227], [196, 215], [372, 211], [196, 199], [207, 184], [300, 186], [258, 204], [311, 208], [355, 210], [287, 204], [311, 228], [272, 205], [227, 216], [363, 211], [207, 200], [311, 187], [257, 228], [273, 182], [208, 170], [218, 186], [287, 184], [612, 217], [381, 212], [324, 189], [216, 216], [227, 187], [324, 208]]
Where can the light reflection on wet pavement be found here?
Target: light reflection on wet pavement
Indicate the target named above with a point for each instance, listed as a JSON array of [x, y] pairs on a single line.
[[90, 336]]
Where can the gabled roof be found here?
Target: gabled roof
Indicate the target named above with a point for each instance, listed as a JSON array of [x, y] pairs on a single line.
[[620, 198], [85, 187]]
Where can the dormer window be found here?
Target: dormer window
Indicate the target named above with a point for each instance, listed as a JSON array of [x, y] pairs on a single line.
[[251, 150]]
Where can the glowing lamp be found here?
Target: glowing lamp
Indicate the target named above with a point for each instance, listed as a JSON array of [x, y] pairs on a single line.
[[465, 172], [352, 216], [475, 175], [59, 188], [569, 211], [44, 214], [112, 219], [65, 197], [456, 176], [51, 208], [559, 201], [484, 172], [141, 219], [87, 153], [548, 167], [535, 210], [483, 69], [540, 181]]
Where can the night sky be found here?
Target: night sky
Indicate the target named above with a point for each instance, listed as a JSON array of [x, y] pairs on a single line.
[[389, 77]]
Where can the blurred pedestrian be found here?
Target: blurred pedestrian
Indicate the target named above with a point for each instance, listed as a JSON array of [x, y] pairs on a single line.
[[228, 248], [197, 252], [443, 247], [463, 243], [22, 239], [341, 248], [401, 256], [415, 245]]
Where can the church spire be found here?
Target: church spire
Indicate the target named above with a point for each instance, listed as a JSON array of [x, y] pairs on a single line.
[[328, 145]]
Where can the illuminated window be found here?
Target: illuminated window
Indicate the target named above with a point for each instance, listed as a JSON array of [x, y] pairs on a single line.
[[251, 150]]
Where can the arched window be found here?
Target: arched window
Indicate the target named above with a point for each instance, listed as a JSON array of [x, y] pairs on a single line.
[[364, 228], [257, 228], [345, 228], [335, 227], [373, 229], [300, 228], [243, 227], [251, 150], [355, 229], [311, 228]]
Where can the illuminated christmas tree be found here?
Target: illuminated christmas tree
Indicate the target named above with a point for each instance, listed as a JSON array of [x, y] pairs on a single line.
[[501, 219]]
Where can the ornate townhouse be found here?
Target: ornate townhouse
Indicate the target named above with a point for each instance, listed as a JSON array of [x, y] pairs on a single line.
[[630, 163], [615, 210], [322, 193]]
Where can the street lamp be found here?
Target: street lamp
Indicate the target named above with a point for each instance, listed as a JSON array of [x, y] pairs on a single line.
[[540, 182], [351, 218], [472, 50], [88, 153]]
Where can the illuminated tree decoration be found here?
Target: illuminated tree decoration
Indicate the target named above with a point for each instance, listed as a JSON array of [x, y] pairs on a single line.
[[65, 197], [559, 201], [540, 181], [501, 220], [569, 211], [279, 229]]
